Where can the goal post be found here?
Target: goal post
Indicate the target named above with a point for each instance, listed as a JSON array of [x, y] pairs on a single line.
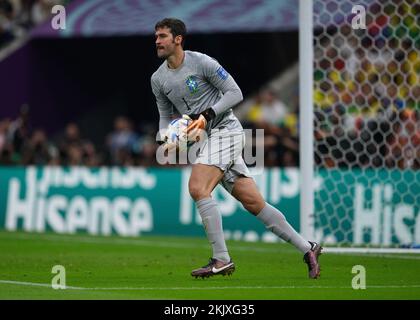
[[306, 118], [359, 79]]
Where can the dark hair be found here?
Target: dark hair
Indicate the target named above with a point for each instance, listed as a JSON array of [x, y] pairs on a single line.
[[177, 27]]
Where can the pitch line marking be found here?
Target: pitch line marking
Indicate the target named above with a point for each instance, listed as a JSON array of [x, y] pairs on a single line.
[[35, 284]]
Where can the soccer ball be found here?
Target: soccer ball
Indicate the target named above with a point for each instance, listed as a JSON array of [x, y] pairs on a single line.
[[176, 133]]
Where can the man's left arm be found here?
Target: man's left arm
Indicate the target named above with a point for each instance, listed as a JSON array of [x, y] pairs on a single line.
[[232, 94], [222, 80]]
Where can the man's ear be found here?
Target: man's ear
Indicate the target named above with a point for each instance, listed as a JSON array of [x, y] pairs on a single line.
[[178, 39]]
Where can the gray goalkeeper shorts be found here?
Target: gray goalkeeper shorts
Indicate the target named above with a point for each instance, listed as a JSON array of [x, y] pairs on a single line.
[[223, 149]]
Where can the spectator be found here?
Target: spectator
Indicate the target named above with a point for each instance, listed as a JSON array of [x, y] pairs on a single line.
[[267, 111], [74, 155], [18, 133], [4, 127], [404, 143], [146, 146], [38, 151], [41, 10], [71, 137], [91, 157], [75, 150], [6, 19], [18, 17], [6, 148], [23, 15], [121, 142]]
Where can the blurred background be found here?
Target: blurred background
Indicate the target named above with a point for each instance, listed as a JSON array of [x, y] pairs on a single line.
[[77, 102], [82, 96]]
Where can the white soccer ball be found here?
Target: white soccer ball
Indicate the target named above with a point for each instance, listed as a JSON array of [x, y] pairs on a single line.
[[176, 133]]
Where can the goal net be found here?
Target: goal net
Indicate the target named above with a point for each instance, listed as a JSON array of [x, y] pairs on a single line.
[[366, 123]]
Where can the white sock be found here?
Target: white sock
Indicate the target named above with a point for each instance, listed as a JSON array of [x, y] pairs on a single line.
[[275, 221], [212, 221]]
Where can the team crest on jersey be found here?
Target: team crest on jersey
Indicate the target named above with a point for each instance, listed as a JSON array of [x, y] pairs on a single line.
[[192, 84]]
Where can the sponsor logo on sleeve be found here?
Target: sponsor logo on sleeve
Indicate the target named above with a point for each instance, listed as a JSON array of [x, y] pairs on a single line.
[[222, 73]]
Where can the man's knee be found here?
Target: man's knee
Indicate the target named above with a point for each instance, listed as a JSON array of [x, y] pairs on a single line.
[[198, 191], [253, 205]]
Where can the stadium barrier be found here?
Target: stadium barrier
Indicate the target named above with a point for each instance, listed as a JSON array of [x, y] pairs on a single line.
[[138, 201]]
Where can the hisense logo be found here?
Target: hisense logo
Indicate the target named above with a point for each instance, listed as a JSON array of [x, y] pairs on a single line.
[[382, 219], [74, 209]]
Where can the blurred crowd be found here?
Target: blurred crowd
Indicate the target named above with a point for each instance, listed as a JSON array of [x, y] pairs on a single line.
[[390, 140], [20, 144], [367, 89], [280, 123], [128, 145], [18, 17]]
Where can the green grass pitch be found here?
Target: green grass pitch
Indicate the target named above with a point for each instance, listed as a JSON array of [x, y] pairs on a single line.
[[151, 267]]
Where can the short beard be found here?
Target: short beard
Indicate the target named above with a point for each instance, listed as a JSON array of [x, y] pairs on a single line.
[[164, 56]]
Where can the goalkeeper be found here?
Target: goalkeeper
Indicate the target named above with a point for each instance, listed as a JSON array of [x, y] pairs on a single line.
[[200, 89]]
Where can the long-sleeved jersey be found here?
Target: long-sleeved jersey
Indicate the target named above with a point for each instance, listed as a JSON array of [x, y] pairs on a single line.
[[200, 82]]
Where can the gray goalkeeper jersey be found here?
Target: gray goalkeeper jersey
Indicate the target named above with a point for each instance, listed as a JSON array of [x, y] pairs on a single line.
[[200, 82]]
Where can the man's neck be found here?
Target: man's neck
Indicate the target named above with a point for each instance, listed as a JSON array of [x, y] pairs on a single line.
[[175, 60]]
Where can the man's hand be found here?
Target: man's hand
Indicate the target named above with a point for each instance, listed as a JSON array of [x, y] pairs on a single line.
[[194, 130], [198, 124]]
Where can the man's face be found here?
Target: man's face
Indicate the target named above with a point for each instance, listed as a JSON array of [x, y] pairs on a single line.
[[165, 42]]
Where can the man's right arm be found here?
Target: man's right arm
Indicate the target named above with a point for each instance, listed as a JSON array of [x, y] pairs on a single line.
[[164, 106]]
